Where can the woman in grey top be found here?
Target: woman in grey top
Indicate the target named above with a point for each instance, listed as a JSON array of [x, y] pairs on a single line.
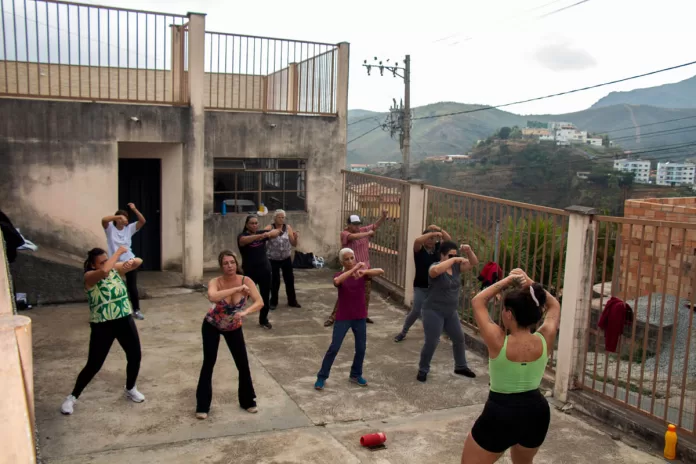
[[441, 305], [279, 249]]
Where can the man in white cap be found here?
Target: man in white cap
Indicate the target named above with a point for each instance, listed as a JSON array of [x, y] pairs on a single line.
[[357, 237]]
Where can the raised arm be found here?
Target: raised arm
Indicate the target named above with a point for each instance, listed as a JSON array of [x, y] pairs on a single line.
[[215, 294], [245, 240], [437, 269], [340, 279], [492, 334], [445, 235], [359, 235], [141, 218], [418, 243], [130, 265], [94, 276], [107, 219], [381, 219], [471, 259], [374, 272]]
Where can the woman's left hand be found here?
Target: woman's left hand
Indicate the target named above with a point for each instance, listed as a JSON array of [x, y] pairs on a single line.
[[359, 273]]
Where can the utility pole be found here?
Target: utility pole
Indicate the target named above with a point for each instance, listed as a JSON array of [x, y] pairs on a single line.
[[400, 116]]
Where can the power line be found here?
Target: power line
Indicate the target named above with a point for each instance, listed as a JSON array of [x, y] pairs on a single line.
[[364, 134], [361, 120], [484, 108], [646, 125], [675, 130]]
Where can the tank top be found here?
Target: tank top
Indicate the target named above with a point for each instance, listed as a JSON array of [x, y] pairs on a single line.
[[108, 299], [222, 314], [279, 248], [517, 377]]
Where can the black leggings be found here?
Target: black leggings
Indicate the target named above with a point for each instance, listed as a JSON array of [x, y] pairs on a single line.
[[512, 419], [100, 341], [261, 276], [288, 277], [235, 342], [132, 286]]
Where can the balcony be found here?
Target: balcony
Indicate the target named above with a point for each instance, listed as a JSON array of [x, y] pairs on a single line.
[[53, 49]]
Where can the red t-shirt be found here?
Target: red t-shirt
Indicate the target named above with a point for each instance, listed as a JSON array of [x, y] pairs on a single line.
[[351, 299], [360, 247]]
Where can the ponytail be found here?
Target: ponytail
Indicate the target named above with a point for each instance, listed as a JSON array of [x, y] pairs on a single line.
[[91, 254], [527, 305]]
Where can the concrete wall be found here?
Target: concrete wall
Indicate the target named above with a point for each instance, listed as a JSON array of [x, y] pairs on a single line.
[[319, 140], [673, 259], [172, 229], [58, 164]]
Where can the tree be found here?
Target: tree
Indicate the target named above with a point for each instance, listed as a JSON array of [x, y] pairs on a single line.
[[504, 132]]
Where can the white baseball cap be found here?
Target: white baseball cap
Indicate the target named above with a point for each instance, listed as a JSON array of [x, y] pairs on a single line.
[[354, 219]]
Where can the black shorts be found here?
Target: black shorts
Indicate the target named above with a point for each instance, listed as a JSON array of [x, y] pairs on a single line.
[[512, 419]]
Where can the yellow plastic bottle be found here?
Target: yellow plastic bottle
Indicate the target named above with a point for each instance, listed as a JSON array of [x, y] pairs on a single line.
[[671, 442]]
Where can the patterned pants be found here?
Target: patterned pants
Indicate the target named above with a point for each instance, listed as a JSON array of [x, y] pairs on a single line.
[[368, 289]]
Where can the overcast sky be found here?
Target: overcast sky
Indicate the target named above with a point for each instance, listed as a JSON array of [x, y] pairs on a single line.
[[475, 51]]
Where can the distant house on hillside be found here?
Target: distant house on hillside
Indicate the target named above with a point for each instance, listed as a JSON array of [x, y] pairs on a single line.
[[358, 167], [370, 199]]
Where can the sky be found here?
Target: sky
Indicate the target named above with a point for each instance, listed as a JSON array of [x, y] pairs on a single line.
[[471, 51]]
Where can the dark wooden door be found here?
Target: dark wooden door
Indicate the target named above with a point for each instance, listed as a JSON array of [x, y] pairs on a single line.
[[140, 182]]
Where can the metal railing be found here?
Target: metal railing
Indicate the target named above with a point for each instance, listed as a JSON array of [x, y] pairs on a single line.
[[367, 196], [66, 50], [249, 73], [509, 233], [650, 265]]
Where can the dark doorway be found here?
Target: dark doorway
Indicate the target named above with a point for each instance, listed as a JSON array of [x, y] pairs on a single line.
[[140, 182]]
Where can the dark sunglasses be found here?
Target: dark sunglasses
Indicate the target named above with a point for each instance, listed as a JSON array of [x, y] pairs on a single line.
[[452, 255]]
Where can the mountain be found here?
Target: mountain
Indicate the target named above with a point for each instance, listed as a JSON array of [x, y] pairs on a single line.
[[678, 95], [632, 127]]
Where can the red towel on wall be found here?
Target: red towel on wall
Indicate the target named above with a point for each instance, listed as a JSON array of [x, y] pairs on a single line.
[[490, 274], [616, 314]]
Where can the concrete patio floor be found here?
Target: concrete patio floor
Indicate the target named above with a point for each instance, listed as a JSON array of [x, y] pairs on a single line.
[[424, 423]]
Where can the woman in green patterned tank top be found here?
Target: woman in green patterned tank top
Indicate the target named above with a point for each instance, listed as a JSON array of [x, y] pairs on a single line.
[[110, 318]]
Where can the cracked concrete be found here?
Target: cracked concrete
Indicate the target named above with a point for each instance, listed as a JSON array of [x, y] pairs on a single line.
[[295, 424]]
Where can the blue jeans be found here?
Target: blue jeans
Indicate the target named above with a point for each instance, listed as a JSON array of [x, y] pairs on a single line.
[[340, 329], [419, 295]]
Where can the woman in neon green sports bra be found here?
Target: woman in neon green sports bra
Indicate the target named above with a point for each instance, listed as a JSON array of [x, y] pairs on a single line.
[[516, 415]]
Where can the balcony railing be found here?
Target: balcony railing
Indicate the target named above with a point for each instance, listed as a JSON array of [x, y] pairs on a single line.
[[248, 73], [64, 50]]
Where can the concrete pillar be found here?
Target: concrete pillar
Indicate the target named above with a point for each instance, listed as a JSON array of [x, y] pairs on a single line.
[[177, 62], [194, 155], [577, 295], [293, 88], [342, 80], [414, 229]]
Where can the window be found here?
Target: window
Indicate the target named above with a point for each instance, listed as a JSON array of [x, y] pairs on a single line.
[[243, 184]]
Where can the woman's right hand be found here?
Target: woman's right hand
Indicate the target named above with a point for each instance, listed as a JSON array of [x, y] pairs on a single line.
[[243, 290], [121, 250], [521, 276]]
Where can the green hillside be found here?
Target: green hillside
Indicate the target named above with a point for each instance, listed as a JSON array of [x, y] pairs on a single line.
[[457, 134], [678, 95]]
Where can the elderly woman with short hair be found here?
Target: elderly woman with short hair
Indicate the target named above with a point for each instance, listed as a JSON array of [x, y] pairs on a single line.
[[279, 250]]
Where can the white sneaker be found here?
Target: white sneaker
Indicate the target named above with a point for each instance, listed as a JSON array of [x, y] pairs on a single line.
[[67, 406], [134, 395]]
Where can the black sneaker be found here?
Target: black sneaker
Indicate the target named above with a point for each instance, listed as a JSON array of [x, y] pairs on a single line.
[[369, 321], [421, 377], [266, 325], [273, 307], [466, 372], [295, 305], [399, 337]]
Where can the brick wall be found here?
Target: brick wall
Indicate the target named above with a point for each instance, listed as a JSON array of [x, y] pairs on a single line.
[[658, 258]]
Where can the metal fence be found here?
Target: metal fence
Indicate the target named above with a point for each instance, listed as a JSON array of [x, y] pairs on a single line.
[[249, 73], [66, 50], [367, 196], [650, 266], [508, 233]]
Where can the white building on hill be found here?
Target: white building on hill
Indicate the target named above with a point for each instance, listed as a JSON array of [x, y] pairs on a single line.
[[675, 173], [641, 169]]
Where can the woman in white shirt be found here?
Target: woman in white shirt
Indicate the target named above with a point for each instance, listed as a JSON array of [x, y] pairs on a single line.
[[119, 233]]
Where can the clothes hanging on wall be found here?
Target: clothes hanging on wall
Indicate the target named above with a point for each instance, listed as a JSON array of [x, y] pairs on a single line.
[[615, 316]]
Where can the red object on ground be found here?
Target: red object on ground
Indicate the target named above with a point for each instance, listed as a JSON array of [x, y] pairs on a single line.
[[373, 439]]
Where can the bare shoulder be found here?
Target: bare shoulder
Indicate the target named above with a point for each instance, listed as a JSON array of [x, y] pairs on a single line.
[[247, 280]]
